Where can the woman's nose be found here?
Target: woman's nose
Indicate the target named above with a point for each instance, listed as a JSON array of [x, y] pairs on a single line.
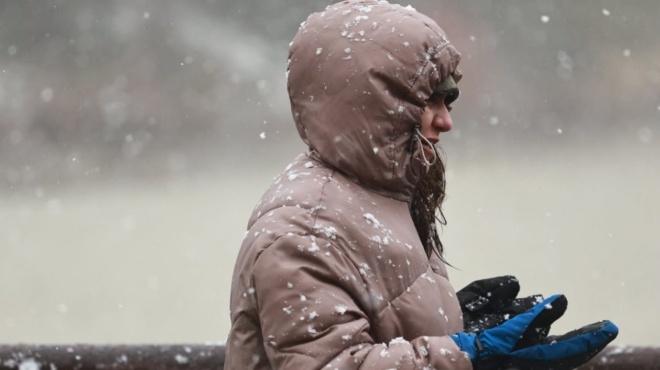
[[442, 119]]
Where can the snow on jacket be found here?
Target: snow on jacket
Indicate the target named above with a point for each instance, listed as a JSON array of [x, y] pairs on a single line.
[[332, 273]]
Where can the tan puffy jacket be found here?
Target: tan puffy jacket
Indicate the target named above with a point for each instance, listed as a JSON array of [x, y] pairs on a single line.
[[332, 273]]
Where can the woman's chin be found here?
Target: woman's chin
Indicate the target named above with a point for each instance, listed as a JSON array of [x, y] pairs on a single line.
[[428, 152]]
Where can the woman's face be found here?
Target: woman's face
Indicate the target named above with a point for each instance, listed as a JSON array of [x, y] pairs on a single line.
[[435, 119]]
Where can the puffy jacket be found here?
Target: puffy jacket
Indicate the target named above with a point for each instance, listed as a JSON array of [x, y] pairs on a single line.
[[332, 273]]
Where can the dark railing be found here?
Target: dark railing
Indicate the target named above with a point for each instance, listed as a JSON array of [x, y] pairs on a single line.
[[212, 357], [119, 357]]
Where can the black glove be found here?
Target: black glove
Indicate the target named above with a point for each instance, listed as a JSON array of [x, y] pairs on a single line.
[[490, 302], [521, 343]]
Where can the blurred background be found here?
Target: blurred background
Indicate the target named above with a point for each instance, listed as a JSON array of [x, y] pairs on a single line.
[[136, 137]]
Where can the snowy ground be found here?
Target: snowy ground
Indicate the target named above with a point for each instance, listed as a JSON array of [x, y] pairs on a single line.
[[152, 262]]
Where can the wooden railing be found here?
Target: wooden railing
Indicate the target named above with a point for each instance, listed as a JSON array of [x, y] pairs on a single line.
[[212, 356]]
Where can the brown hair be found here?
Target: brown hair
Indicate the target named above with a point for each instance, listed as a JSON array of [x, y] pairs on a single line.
[[426, 207]]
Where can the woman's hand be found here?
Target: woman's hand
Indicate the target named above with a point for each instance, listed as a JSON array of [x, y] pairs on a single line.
[[490, 302], [522, 342]]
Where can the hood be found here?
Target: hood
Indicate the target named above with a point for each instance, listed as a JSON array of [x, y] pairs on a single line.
[[358, 76]]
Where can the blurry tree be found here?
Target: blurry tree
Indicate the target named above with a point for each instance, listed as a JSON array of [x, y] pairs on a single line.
[[92, 89]]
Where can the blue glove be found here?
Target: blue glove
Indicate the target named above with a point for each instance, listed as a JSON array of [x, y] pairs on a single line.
[[522, 342]]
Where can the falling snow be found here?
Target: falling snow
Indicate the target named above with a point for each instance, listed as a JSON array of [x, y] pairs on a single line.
[[341, 309], [133, 127], [371, 219], [181, 359]]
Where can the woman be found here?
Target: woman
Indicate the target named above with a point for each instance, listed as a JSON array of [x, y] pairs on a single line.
[[341, 266]]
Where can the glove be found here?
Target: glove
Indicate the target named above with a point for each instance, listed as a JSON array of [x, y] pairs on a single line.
[[522, 342], [490, 302]]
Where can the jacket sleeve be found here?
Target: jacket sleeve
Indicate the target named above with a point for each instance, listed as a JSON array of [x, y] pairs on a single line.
[[307, 294]]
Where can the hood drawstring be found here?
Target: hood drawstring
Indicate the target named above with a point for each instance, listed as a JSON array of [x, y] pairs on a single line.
[[418, 138]]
